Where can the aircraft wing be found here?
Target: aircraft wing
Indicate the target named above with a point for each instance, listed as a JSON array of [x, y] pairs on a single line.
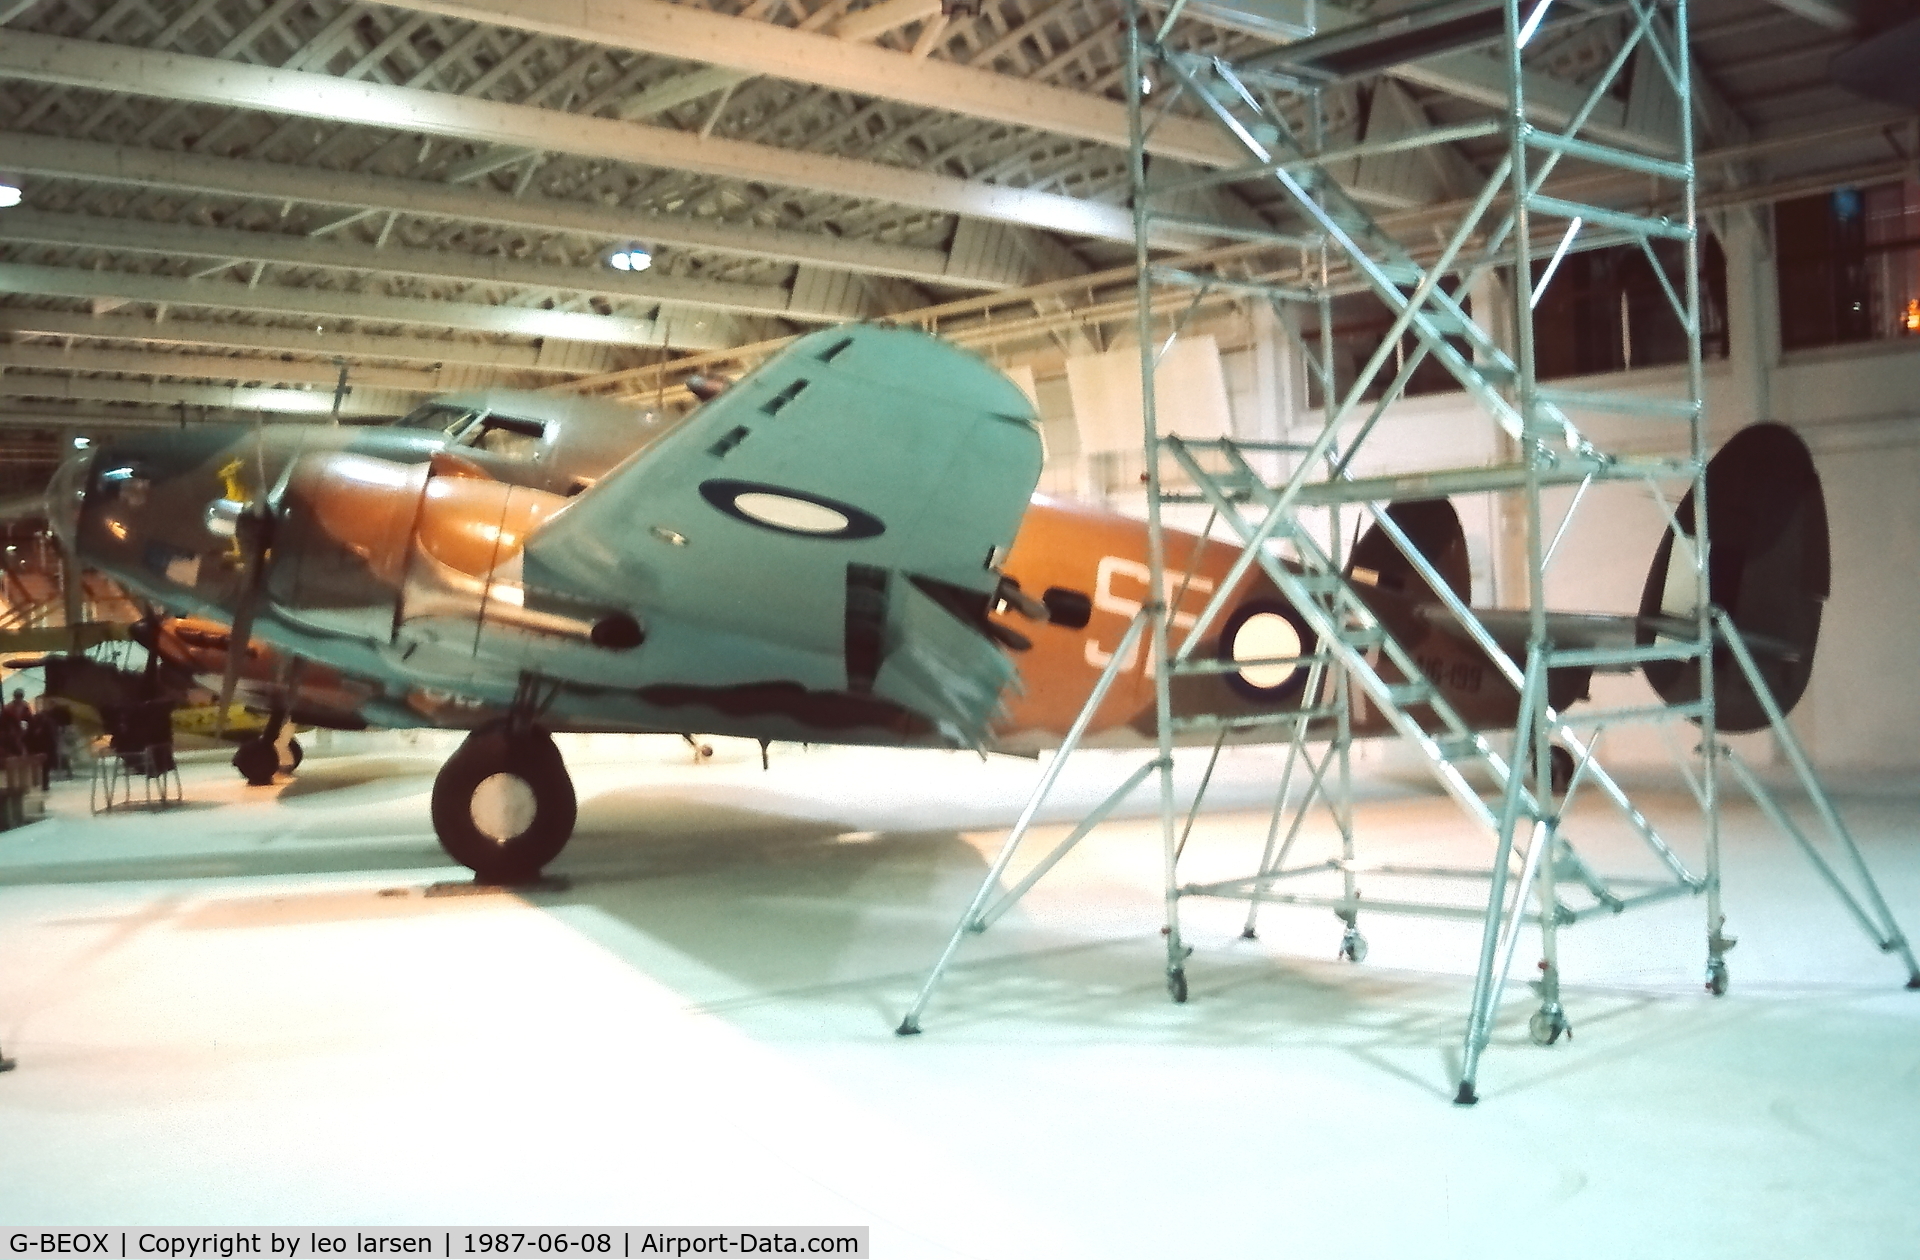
[[821, 539]]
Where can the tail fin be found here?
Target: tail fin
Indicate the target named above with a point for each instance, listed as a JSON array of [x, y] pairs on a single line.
[[1769, 567], [1432, 526]]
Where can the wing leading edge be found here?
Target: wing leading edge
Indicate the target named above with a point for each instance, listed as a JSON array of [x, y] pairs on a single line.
[[819, 541]]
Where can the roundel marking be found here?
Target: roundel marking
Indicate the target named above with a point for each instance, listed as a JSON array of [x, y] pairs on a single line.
[[1263, 631], [799, 516], [787, 511]]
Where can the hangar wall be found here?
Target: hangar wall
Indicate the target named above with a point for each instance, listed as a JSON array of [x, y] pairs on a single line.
[[1858, 407]]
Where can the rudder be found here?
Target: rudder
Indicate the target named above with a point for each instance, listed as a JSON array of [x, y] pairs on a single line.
[[1769, 568], [1433, 526]]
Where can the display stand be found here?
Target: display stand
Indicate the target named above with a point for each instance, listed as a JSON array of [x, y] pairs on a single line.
[[1290, 505]]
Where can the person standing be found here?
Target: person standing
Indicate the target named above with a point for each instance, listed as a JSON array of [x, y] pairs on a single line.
[[42, 739], [13, 725]]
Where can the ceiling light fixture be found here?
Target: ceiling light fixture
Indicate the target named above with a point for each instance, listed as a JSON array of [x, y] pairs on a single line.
[[632, 256], [9, 193]]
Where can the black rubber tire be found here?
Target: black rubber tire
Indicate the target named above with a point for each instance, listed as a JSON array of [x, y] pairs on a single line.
[[535, 762], [258, 761], [295, 755]]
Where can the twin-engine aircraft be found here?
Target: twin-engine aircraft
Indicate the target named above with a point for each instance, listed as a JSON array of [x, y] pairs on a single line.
[[844, 547]]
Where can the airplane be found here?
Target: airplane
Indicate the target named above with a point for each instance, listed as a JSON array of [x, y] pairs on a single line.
[[553, 442], [842, 547], [185, 658]]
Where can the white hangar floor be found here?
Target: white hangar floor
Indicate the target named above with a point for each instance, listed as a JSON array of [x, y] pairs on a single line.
[[248, 1009]]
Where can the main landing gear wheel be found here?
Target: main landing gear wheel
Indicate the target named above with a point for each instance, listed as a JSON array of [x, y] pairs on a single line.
[[1353, 946], [258, 761], [503, 805]]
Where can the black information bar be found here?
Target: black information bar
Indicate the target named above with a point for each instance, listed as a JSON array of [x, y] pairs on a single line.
[[447, 1243]]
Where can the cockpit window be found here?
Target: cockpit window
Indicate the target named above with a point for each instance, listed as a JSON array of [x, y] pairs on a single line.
[[437, 417], [505, 435]]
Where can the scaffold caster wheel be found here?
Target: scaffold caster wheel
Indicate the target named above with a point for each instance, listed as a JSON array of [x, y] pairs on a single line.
[[1353, 946], [1717, 977], [1546, 1026], [1177, 985]]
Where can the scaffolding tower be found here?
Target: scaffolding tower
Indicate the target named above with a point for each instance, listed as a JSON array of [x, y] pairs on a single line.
[[1289, 505]]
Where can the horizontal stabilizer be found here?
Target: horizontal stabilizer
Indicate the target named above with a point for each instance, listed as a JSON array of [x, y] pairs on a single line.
[[1511, 627]]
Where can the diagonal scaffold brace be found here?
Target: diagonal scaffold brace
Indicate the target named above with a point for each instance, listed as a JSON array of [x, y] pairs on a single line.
[[1866, 904], [984, 908]]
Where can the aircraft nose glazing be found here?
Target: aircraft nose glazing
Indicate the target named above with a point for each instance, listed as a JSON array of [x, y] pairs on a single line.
[[67, 495]]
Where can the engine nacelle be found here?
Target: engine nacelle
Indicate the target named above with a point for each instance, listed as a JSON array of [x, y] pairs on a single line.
[[341, 540], [396, 554]]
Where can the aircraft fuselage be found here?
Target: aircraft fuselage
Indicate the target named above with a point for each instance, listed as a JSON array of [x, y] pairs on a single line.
[[394, 562]]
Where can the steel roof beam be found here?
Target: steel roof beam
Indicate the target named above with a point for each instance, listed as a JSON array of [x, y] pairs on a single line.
[[576, 358], [755, 47], [325, 304], [678, 91], [319, 402], [889, 15], [16, 414], [111, 68], [84, 231], [280, 182], [253, 369], [1476, 77]]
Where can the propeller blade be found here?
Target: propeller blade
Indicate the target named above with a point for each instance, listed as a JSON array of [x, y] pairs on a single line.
[[236, 652], [17, 663], [256, 533], [256, 530], [279, 491]]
